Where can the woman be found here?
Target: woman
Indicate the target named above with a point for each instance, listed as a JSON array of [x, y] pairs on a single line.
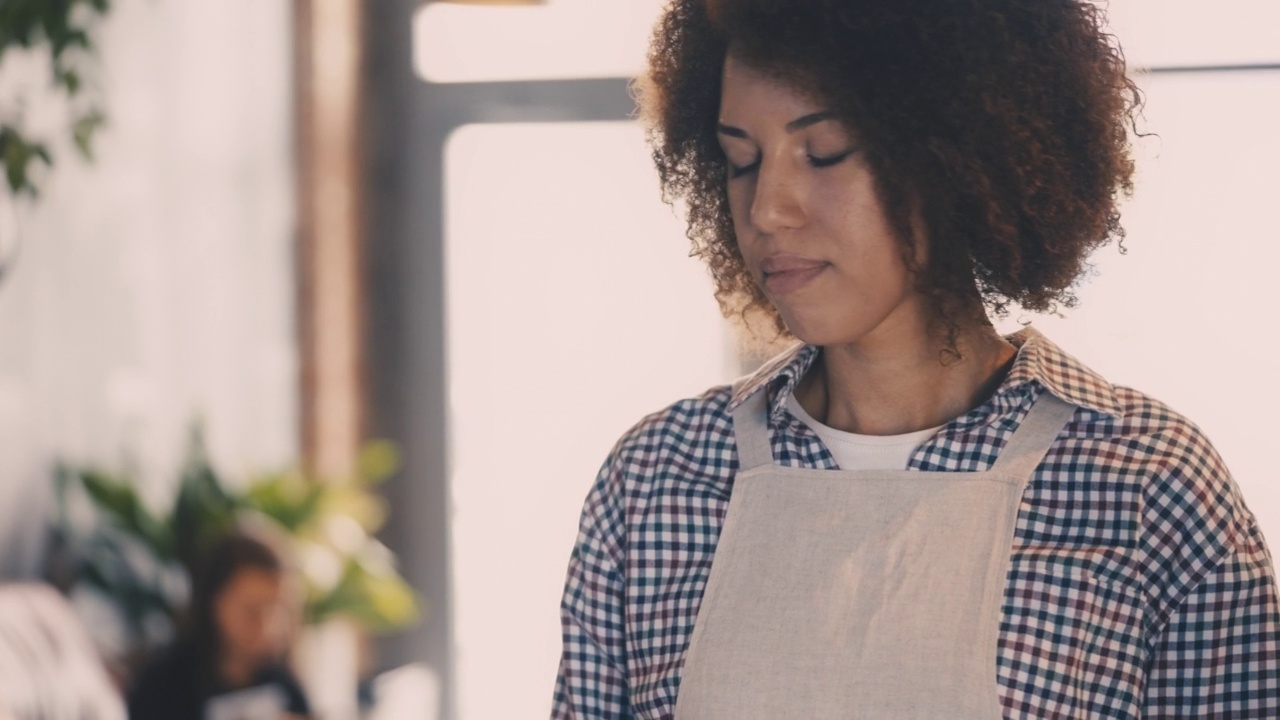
[[229, 660], [906, 515]]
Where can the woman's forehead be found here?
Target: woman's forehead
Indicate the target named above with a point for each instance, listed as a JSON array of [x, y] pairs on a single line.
[[747, 88]]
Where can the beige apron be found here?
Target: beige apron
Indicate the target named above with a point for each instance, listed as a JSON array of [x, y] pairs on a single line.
[[858, 594]]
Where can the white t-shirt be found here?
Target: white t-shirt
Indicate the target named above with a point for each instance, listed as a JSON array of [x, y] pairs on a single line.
[[864, 452]]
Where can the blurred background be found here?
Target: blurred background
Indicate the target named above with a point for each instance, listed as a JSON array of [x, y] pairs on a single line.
[[267, 235]]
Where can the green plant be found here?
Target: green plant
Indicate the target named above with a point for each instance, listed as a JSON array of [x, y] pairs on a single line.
[[140, 560], [64, 30]]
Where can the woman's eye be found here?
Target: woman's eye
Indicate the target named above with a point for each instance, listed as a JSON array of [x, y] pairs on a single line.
[[828, 160], [736, 171]]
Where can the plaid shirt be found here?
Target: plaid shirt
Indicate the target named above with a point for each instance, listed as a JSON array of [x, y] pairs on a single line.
[[1140, 585]]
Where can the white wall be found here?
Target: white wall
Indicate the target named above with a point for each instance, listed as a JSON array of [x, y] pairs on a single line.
[[156, 285]]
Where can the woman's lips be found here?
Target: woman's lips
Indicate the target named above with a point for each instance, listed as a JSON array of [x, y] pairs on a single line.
[[782, 277]]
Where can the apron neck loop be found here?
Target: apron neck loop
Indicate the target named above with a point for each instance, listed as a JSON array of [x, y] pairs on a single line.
[[1035, 435], [751, 430]]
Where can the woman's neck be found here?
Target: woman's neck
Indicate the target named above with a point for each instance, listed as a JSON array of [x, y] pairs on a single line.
[[892, 387]]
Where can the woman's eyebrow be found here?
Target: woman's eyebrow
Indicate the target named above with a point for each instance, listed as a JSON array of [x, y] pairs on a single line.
[[796, 125], [810, 119]]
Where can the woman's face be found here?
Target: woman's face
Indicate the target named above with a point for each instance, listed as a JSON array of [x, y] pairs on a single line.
[[808, 220], [252, 615]]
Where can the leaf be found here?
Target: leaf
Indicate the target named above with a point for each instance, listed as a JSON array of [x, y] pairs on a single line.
[[18, 154], [134, 592], [84, 130], [394, 603], [203, 509], [286, 498], [63, 38], [378, 601], [379, 460], [52, 27], [70, 80], [121, 504], [98, 579], [63, 478], [367, 509], [19, 20]]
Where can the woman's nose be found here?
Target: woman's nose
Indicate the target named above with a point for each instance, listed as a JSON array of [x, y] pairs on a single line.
[[778, 202]]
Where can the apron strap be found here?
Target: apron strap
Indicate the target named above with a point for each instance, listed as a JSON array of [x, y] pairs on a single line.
[[1035, 435], [751, 431]]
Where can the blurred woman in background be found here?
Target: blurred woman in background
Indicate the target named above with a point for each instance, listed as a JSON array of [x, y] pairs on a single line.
[[232, 648]]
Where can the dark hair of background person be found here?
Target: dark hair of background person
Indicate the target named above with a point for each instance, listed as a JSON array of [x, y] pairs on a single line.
[[997, 128], [222, 561]]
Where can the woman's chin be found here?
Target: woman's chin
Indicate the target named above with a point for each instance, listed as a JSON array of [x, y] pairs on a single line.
[[813, 331]]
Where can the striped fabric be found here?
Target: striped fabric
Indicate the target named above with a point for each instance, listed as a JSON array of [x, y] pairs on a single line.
[[1139, 586]]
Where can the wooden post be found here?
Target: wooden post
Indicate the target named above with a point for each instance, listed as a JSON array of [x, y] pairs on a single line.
[[329, 245], [328, 55]]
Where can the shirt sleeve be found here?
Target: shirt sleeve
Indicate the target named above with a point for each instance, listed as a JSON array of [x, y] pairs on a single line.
[[592, 680], [1219, 654]]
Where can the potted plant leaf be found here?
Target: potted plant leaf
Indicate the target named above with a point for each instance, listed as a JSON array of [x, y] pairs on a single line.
[[137, 560]]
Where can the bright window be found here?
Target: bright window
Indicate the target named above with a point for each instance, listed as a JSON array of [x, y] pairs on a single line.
[[573, 311], [562, 39]]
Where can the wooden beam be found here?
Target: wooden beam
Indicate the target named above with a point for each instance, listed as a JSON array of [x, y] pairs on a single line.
[[330, 301]]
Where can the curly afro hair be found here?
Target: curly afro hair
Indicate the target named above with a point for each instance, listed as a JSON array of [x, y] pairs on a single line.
[[998, 127]]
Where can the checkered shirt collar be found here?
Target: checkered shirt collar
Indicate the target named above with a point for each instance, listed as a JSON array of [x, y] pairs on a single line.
[[1039, 360]]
